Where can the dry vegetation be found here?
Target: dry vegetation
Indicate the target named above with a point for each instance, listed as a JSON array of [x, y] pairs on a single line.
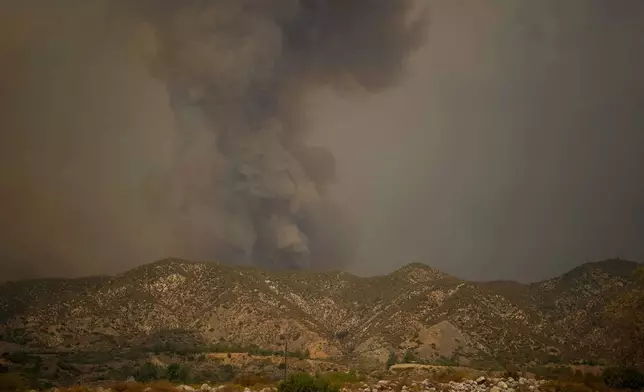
[[197, 322], [191, 308], [447, 380]]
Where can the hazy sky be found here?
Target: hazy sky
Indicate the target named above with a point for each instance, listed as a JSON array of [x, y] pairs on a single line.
[[512, 149]]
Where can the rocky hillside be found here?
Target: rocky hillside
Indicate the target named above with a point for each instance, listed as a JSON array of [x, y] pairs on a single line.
[[416, 309]]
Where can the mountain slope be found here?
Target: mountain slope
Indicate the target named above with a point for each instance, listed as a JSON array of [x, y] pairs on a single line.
[[330, 314]]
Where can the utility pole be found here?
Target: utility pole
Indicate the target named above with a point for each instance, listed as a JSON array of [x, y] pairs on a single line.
[[285, 357]]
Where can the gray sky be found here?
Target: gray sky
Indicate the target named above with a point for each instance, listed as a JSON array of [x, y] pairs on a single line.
[[512, 149]]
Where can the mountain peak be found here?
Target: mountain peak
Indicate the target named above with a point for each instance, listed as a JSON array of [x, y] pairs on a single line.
[[615, 267], [420, 272]]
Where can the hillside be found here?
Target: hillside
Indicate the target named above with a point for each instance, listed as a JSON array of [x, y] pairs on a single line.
[[177, 303]]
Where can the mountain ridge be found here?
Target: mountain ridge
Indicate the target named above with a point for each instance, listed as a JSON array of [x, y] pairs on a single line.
[[415, 308]]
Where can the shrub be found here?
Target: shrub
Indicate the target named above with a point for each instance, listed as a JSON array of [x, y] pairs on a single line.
[[21, 357], [341, 334], [226, 373], [409, 357], [511, 370], [624, 377], [443, 361], [561, 373], [177, 372], [303, 382], [148, 372], [17, 335], [392, 360]]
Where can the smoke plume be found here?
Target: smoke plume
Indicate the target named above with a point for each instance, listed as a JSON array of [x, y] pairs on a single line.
[[240, 70], [233, 179]]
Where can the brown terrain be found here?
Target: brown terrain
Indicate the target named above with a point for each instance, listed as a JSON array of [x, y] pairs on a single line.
[[241, 317]]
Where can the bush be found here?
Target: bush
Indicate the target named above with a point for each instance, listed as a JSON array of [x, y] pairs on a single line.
[[443, 361], [176, 372], [409, 357], [561, 373], [148, 372], [341, 334], [303, 382], [226, 373], [511, 370], [392, 360], [624, 377], [20, 357]]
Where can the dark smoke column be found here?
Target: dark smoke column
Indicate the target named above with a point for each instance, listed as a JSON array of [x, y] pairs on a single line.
[[239, 69]]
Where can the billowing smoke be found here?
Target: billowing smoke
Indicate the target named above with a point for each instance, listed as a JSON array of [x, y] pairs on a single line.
[[237, 182], [240, 69]]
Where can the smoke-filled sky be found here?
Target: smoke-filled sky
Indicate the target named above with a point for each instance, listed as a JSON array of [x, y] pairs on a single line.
[[503, 139]]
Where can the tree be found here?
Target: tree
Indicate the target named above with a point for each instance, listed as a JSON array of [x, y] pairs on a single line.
[[147, 372], [185, 375], [172, 372], [627, 313], [409, 357], [180, 373], [392, 360], [226, 373]]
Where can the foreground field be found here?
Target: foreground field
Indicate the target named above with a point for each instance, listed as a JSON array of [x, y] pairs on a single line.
[[399, 378]]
